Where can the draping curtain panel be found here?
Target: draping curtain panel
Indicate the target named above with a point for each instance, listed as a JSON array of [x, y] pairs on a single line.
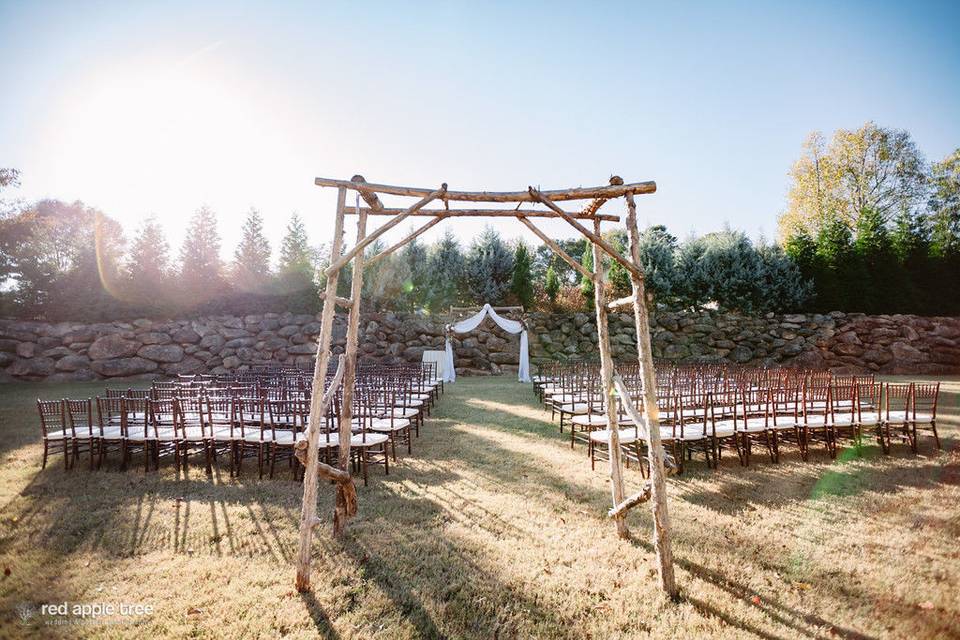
[[511, 326]]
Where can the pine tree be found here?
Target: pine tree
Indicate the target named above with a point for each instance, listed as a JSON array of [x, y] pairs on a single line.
[[837, 270], [296, 268], [781, 286], [618, 276], [489, 267], [201, 268], [148, 266], [658, 258], [445, 272], [552, 286], [251, 266], [414, 288], [586, 284], [521, 285]]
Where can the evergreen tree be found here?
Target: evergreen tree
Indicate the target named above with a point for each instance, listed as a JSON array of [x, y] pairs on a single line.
[[618, 276], [781, 287], [659, 261], [521, 284], [876, 259], [251, 267], [489, 268], [586, 284], [689, 290], [836, 268], [552, 286], [414, 289], [445, 272], [297, 267], [148, 266], [201, 269]]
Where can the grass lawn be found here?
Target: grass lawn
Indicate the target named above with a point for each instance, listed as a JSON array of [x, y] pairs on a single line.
[[493, 528]]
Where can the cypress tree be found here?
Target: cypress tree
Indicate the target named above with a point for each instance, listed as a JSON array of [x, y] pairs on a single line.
[[552, 286], [586, 284], [521, 285]]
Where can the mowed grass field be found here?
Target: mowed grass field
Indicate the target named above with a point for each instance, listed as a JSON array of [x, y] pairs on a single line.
[[493, 528]]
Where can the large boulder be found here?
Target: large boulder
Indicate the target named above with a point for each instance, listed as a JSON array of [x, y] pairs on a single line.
[[187, 365], [123, 366], [72, 363], [162, 352], [32, 368], [112, 347]]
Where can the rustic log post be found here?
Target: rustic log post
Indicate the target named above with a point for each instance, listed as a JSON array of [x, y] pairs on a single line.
[[308, 513], [349, 377], [661, 516], [606, 373]]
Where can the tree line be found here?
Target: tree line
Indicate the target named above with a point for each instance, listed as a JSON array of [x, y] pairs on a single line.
[[873, 225], [870, 226]]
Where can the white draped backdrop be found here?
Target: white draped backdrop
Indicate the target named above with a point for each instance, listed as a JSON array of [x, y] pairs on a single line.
[[512, 326]]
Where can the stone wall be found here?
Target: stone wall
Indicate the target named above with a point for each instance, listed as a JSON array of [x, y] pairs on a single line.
[[155, 349]]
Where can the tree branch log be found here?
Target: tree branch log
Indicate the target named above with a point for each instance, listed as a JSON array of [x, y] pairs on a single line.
[[594, 237], [556, 248], [628, 503], [478, 213], [362, 244], [579, 193]]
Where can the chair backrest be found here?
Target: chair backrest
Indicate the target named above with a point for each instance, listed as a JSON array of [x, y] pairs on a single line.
[[80, 413], [925, 398], [136, 417], [52, 417], [163, 417], [896, 398]]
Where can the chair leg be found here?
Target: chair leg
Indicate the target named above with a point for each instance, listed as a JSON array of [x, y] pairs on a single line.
[[936, 437], [46, 450]]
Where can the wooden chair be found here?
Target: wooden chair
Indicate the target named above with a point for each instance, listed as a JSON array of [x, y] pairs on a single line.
[[56, 433], [85, 438]]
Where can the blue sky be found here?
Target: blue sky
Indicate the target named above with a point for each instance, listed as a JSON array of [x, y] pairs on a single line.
[[157, 108]]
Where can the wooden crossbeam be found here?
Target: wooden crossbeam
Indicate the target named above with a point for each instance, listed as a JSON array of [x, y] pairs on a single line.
[[480, 213], [370, 197], [594, 205], [556, 248], [343, 302], [578, 193], [620, 302], [362, 244], [593, 237], [409, 238]]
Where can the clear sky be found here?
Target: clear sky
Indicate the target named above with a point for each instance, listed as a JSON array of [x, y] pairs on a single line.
[[140, 108]]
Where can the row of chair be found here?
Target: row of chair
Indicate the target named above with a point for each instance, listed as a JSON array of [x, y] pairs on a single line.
[[706, 410], [265, 418]]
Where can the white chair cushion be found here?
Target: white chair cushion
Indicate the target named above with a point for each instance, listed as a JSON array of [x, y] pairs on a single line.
[[370, 440], [627, 436]]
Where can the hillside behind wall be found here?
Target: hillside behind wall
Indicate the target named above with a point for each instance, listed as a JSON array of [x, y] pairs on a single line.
[[144, 349]]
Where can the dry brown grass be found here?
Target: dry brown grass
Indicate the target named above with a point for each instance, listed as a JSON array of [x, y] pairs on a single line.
[[493, 528]]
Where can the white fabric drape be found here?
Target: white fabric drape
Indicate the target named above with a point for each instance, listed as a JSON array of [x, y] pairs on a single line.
[[511, 326]]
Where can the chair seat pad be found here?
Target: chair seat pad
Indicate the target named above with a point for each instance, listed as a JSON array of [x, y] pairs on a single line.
[[111, 433], [381, 424], [166, 434], [627, 436], [62, 434], [368, 440], [287, 437], [688, 434]]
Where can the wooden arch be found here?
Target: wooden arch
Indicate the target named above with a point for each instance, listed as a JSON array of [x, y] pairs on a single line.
[[307, 450]]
